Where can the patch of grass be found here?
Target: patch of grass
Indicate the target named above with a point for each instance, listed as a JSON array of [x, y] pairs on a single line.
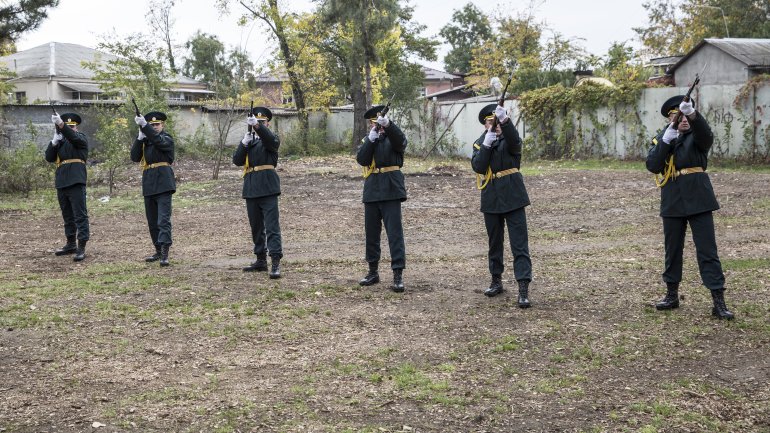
[[745, 264]]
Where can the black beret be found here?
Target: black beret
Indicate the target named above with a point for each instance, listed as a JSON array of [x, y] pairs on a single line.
[[372, 112], [488, 110], [71, 118], [262, 113], [672, 103], [155, 117]]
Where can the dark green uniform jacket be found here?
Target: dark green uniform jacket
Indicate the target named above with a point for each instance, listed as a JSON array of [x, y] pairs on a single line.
[[385, 151], [507, 193], [689, 194], [74, 146], [261, 151], [155, 148]]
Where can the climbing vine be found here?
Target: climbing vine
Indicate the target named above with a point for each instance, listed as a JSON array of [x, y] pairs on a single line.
[[557, 116], [756, 142]]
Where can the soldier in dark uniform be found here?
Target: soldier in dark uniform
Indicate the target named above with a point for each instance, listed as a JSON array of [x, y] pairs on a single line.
[[69, 150], [154, 150], [680, 155], [497, 160], [382, 155], [257, 153]]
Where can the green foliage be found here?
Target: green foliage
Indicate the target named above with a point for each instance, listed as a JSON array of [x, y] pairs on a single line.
[[17, 18], [315, 143], [24, 169], [556, 113], [702, 19], [469, 29], [115, 136], [197, 146], [755, 148]]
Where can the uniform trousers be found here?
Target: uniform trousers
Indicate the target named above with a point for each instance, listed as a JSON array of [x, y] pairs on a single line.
[[158, 210], [72, 201], [517, 235], [702, 226], [389, 213], [265, 225]]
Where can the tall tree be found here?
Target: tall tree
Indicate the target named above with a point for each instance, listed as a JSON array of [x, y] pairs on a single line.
[[677, 26], [469, 29], [207, 60], [278, 21], [359, 28], [17, 17], [163, 24]]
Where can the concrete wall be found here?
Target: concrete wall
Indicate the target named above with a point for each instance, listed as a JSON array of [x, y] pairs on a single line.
[[720, 67], [624, 133]]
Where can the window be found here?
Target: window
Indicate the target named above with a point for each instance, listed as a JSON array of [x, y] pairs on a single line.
[[423, 91], [21, 97]]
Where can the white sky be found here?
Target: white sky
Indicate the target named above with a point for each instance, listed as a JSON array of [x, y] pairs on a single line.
[[595, 23]]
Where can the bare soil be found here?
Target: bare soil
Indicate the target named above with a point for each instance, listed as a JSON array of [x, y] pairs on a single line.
[[113, 344]]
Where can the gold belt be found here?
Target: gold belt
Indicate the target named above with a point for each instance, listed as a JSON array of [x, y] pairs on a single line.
[[259, 168], [155, 165], [70, 161], [691, 170], [386, 169], [500, 174]]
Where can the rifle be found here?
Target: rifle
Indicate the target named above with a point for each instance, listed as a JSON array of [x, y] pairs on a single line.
[[55, 127], [686, 99], [387, 107], [138, 114], [250, 128], [501, 102]]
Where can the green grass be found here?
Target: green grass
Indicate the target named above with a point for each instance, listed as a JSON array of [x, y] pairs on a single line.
[[745, 264]]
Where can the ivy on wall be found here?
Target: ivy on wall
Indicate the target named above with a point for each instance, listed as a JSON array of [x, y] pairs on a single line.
[[556, 116], [756, 139]]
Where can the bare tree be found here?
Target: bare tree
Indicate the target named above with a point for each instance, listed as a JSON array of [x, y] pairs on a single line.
[[162, 24]]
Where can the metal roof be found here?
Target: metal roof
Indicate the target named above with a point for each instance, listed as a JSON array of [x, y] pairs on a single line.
[[54, 59], [754, 53]]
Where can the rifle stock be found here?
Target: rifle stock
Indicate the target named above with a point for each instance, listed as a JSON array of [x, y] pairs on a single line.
[[138, 114]]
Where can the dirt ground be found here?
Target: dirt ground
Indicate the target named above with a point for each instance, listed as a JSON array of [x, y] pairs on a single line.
[[113, 344]]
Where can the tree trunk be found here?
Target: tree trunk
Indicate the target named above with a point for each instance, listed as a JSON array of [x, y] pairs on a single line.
[[360, 126]]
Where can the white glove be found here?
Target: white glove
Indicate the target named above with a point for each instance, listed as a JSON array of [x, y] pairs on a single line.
[[501, 113], [56, 119], [246, 139], [57, 138], [141, 121], [383, 120], [670, 133], [489, 139], [251, 120], [686, 108], [373, 134], [141, 136]]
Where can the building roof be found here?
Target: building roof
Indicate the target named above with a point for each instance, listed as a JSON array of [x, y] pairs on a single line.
[[754, 53], [54, 59], [435, 74], [662, 61]]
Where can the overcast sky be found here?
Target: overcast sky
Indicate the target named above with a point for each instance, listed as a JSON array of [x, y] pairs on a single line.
[[595, 24]]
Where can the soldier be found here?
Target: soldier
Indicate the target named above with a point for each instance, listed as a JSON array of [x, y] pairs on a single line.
[[69, 150], [257, 153], [680, 154], [497, 158], [382, 155], [154, 150]]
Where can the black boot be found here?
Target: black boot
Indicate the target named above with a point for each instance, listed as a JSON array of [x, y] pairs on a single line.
[[398, 281], [275, 268], [259, 266], [69, 248], [671, 300], [164, 254], [720, 310], [373, 277], [80, 253], [155, 257], [495, 287], [524, 294]]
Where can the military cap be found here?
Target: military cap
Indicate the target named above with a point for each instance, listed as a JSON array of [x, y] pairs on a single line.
[[155, 117], [672, 104], [262, 113], [487, 113], [71, 118], [372, 113]]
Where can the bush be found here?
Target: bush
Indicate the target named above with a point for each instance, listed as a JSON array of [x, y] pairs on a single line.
[[197, 146], [24, 169], [315, 143]]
